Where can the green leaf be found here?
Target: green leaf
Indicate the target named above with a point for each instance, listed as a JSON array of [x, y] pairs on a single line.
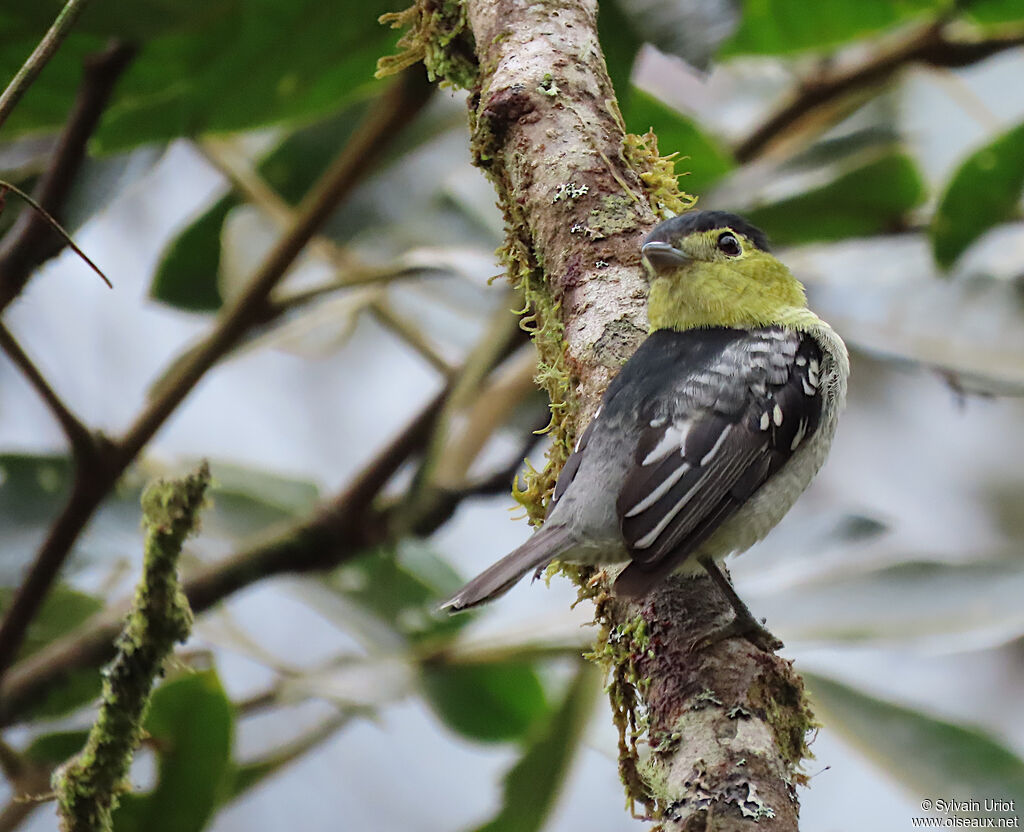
[[488, 702], [620, 45], [987, 12], [63, 611], [53, 749], [702, 160], [33, 489], [402, 588], [932, 756], [190, 723], [289, 59], [187, 274], [869, 200], [246, 500], [533, 784], [775, 27], [985, 191]]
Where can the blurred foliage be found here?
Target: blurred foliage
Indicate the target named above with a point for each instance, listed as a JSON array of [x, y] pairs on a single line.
[[189, 725], [932, 756], [283, 84], [985, 190]]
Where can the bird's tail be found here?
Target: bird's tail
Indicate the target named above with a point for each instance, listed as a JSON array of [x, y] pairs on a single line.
[[542, 548]]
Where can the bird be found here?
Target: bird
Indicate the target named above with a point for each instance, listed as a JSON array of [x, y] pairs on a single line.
[[710, 431]]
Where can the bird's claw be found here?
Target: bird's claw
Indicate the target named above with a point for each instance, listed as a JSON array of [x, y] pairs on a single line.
[[749, 628]]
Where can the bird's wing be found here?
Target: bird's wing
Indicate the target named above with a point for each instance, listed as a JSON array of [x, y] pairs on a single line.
[[713, 439]]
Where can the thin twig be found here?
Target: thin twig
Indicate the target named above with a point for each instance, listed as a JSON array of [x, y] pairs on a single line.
[[31, 241], [40, 56], [256, 190], [928, 45], [78, 435], [56, 226], [343, 529], [403, 101]]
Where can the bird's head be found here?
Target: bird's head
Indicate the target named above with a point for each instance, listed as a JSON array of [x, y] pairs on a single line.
[[712, 268]]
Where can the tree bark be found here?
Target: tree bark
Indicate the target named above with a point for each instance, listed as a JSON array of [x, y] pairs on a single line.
[[724, 727]]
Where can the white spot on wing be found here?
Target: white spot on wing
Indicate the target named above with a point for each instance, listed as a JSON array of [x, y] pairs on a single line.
[[675, 436], [718, 444], [652, 535], [812, 372], [765, 420], [801, 431], [777, 415], [809, 389], [800, 361], [658, 492]]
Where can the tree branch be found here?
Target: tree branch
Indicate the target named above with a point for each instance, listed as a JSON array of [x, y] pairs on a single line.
[[343, 529], [401, 103], [31, 241], [89, 785], [929, 46], [78, 435], [40, 56], [546, 130]]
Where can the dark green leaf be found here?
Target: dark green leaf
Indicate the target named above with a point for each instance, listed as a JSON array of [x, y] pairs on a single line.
[[985, 190], [190, 724], [282, 65], [54, 749], [187, 274], [63, 611], [993, 11], [932, 756], [865, 201], [702, 160], [101, 180], [620, 45], [487, 702], [533, 784], [774, 27]]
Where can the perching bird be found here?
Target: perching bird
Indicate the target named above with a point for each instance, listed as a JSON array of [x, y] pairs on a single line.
[[709, 433]]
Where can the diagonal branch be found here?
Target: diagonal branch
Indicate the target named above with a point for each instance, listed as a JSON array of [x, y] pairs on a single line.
[[31, 240], [401, 104], [78, 435], [40, 56], [929, 45], [344, 528]]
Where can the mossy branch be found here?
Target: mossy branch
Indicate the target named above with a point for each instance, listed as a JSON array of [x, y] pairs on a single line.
[[710, 740], [89, 786]]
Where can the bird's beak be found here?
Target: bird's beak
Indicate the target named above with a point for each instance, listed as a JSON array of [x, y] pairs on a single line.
[[659, 255]]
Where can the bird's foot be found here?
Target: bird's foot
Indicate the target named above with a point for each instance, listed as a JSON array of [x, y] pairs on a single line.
[[746, 627]]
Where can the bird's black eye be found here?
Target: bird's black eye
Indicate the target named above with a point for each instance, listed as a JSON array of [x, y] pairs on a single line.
[[728, 244]]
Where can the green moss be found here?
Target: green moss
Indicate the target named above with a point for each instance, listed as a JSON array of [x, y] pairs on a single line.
[[88, 787], [439, 36], [788, 713], [658, 173]]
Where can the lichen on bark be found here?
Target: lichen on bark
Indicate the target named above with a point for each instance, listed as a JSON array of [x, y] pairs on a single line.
[[709, 739]]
